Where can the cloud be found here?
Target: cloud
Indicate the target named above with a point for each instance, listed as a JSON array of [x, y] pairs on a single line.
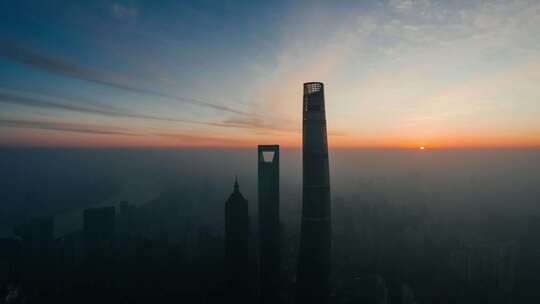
[[55, 94], [402, 69], [29, 101], [185, 139], [256, 123], [62, 126], [251, 123], [124, 11], [402, 4], [416, 63], [39, 60]]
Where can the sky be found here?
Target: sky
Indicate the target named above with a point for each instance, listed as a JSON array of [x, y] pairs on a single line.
[[397, 73]]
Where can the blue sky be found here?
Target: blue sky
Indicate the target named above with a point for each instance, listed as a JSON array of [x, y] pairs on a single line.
[[398, 73]]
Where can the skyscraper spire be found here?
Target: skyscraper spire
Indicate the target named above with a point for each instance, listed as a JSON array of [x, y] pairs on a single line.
[[237, 246]]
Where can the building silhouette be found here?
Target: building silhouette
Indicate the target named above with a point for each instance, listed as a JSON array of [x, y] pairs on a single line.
[[125, 225], [236, 246], [99, 233], [99, 244], [315, 239], [37, 240], [37, 235], [10, 259], [269, 236], [36, 230], [528, 266]]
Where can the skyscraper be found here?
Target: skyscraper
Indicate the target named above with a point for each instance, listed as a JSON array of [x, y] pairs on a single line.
[[99, 241], [315, 239], [10, 258], [269, 245], [236, 246], [37, 236], [99, 233]]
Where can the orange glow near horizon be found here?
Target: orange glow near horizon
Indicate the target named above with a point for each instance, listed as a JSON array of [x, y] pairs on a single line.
[[202, 139]]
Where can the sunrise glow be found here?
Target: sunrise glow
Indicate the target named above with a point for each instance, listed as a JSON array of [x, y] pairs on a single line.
[[395, 75]]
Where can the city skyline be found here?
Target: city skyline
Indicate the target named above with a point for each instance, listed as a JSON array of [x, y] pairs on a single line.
[[297, 151], [398, 73]]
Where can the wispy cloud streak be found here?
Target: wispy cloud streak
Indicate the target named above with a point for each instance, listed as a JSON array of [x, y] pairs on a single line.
[[256, 123], [117, 112], [204, 140], [28, 101], [62, 126], [45, 62]]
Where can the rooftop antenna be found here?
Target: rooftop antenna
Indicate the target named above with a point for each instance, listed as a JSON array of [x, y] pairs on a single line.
[[236, 187]]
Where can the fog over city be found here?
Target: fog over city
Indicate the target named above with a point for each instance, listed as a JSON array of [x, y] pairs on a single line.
[[270, 152], [478, 187]]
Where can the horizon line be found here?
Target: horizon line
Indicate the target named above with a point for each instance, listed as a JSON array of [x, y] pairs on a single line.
[[370, 147]]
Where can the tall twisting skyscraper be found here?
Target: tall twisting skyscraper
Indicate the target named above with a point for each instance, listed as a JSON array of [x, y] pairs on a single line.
[[236, 246], [269, 249], [315, 240]]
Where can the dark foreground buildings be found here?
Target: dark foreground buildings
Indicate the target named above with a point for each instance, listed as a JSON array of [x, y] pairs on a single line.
[[37, 236], [269, 226], [315, 240], [99, 233], [99, 241], [236, 247]]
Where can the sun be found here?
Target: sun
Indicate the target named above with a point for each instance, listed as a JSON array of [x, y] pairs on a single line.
[[422, 148]]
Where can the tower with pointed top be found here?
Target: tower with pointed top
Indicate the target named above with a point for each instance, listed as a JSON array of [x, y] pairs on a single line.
[[236, 245], [313, 277]]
